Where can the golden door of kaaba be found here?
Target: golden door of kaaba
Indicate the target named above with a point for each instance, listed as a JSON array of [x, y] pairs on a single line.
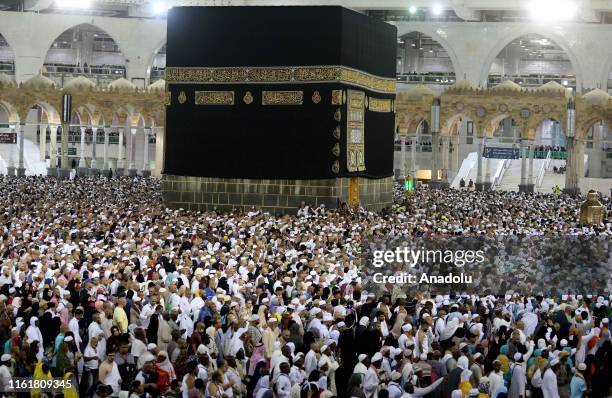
[[353, 192]]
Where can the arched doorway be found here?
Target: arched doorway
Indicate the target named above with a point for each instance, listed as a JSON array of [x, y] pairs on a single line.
[[422, 60], [598, 149], [7, 57], [157, 69], [84, 50], [530, 61]]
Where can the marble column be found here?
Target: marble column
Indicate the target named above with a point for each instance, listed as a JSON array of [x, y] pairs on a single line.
[[64, 170], [456, 155], [445, 148], [146, 167], [106, 166], [435, 158], [487, 180], [479, 179], [43, 141], [93, 167], [120, 161], [413, 164], [579, 144], [159, 151], [523, 184], [52, 169], [21, 165], [402, 157], [82, 163], [530, 180], [435, 142], [132, 168], [571, 172], [10, 170]]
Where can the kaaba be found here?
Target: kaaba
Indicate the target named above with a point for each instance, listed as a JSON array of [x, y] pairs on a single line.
[[268, 107]]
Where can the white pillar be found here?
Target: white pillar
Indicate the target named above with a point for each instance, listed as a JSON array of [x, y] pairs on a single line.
[[43, 141], [94, 163], [106, 167], [132, 167], [531, 155], [53, 145], [12, 148], [479, 164], [445, 141], [159, 151], [413, 165], [82, 163], [146, 166], [487, 169], [456, 155], [21, 164], [403, 155], [120, 162], [523, 163]]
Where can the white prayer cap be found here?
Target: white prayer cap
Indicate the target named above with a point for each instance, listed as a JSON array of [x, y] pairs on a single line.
[[477, 355], [396, 375], [377, 357], [254, 317], [407, 352], [563, 343], [5, 357], [554, 361], [605, 320], [407, 327], [341, 324], [423, 357], [323, 348], [151, 346], [201, 349], [518, 356], [327, 317], [362, 357], [581, 366]]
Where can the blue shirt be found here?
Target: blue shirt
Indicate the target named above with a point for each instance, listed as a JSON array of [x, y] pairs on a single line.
[[577, 387]]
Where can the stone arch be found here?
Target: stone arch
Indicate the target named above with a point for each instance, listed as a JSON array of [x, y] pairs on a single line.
[[11, 111], [7, 56], [582, 130], [535, 125], [521, 31], [448, 125], [151, 61], [493, 121], [431, 32], [92, 62]]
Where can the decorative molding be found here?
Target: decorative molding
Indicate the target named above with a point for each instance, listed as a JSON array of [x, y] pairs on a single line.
[[282, 97], [380, 105], [338, 115], [214, 98], [336, 149], [355, 127], [316, 97], [337, 133], [285, 74], [167, 98], [336, 97], [336, 167], [182, 98], [248, 98]]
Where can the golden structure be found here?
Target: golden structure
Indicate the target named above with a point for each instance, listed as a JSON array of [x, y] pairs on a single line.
[[592, 212], [120, 105], [486, 108]]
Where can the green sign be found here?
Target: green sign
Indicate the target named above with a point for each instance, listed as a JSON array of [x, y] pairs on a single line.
[[72, 152], [409, 185]]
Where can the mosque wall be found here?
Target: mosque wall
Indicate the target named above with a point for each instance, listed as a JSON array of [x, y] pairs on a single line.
[[276, 196], [472, 48]]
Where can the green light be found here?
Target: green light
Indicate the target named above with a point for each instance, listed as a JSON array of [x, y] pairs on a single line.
[[408, 185]]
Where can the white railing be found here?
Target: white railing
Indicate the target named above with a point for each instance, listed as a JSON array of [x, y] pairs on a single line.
[[500, 173], [545, 166], [464, 172]]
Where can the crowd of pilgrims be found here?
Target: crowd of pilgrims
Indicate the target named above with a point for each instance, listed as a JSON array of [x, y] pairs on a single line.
[[102, 285]]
